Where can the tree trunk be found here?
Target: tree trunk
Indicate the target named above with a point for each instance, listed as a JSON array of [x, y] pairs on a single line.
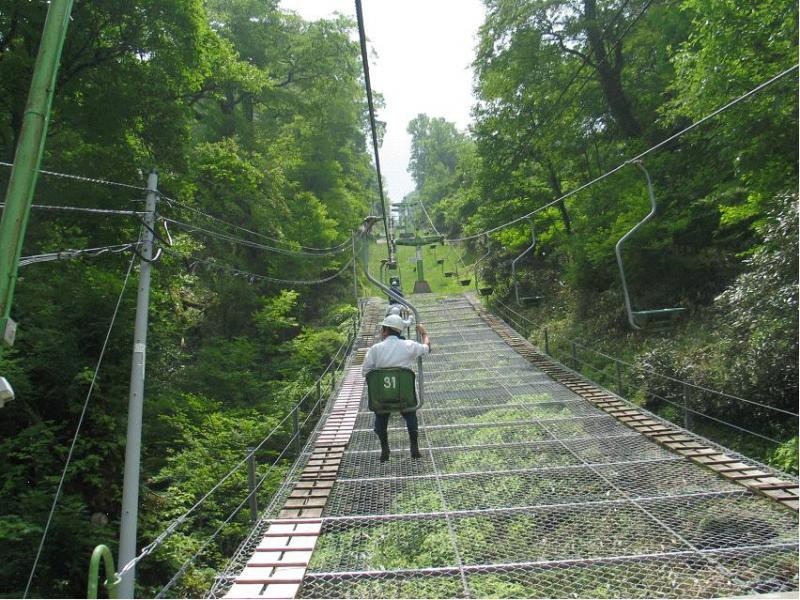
[[609, 73], [555, 185]]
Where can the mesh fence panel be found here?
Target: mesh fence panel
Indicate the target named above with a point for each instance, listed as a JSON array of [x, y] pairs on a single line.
[[526, 490]]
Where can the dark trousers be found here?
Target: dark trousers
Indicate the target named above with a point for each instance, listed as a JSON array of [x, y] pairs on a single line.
[[382, 423]]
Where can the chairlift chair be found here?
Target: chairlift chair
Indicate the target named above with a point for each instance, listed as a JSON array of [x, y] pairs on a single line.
[[524, 300], [392, 390], [486, 290], [639, 319]]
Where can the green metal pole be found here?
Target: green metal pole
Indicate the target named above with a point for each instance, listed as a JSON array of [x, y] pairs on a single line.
[[112, 580], [28, 157]]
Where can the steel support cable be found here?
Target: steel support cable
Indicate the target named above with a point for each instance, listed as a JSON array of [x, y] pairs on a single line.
[[191, 228], [491, 424], [80, 423], [83, 178], [705, 440], [623, 558], [475, 512], [258, 277], [161, 538], [362, 37], [81, 209], [682, 382], [256, 531], [312, 250], [425, 210], [501, 445], [715, 419], [175, 578], [657, 374], [502, 472], [639, 156], [76, 253], [258, 485]]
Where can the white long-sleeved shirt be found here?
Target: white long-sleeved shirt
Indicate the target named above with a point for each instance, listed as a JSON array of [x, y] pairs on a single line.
[[393, 352]]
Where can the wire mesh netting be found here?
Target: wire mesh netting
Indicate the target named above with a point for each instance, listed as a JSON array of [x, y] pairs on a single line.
[[526, 490]]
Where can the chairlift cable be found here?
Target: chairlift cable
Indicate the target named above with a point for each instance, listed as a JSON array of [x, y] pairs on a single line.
[[310, 249], [365, 63], [191, 228], [632, 160]]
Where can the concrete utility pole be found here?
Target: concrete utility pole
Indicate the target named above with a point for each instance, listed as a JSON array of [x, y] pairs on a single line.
[[355, 267], [30, 147], [133, 446]]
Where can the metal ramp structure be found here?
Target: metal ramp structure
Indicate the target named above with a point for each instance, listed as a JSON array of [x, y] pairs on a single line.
[[534, 483]]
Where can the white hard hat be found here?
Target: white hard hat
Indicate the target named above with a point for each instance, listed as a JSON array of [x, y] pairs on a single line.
[[394, 309], [394, 322]]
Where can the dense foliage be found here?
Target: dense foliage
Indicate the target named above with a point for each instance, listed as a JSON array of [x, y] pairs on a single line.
[[256, 117], [250, 115], [569, 90]]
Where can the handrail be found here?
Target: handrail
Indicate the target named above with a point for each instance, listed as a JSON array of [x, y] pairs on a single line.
[[514, 262], [172, 527], [112, 579], [639, 368], [401, 300], [618, 247]]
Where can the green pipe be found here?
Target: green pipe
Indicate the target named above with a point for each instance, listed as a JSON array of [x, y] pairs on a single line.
[[112, 579], [28, 157]]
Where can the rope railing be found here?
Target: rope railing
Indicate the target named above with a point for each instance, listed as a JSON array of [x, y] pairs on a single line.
[[334, 365], [190, 561], [572, 353]]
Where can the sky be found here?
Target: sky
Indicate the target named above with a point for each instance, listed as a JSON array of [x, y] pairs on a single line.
[[420, 55]]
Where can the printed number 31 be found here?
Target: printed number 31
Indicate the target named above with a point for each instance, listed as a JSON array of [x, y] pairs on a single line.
[[390, 382]]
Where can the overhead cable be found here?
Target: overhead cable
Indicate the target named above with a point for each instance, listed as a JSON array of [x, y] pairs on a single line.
[[82, 209], [312, 250], [77, 253], [78, 428], [252, 277], [425, 210], [633, 159], [191, 228], [83, 178], [362, 36], [257, 277]]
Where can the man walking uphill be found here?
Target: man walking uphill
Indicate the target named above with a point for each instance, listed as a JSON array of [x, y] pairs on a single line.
[[394, 351]]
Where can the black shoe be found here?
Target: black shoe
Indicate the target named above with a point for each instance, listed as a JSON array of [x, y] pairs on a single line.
[[414, 445], [384, 447]]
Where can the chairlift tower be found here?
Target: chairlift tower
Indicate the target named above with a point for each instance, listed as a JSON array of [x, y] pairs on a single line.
[[420, 285]]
